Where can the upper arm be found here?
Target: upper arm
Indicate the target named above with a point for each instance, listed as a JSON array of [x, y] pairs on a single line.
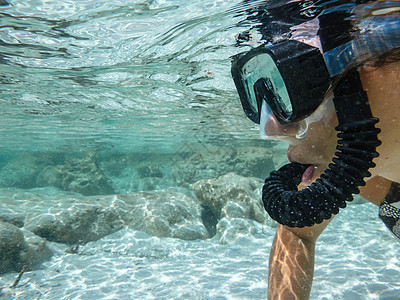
[[376, 189]]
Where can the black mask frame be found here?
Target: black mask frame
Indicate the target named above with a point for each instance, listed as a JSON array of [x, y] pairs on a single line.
[[299, 66]]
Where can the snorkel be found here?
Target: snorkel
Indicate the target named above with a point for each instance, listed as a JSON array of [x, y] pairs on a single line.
[[355, 151], [357, 134]]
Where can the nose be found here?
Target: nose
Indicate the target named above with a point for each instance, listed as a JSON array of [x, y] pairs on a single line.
[[274, 129], [270, 128]]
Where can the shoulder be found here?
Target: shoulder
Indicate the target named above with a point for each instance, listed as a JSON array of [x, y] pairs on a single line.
[[376, 189]]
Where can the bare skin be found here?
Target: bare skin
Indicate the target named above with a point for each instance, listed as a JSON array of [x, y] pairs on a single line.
[[291, 266]]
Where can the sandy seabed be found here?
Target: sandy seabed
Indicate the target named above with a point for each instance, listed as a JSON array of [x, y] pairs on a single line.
[[357, 258]]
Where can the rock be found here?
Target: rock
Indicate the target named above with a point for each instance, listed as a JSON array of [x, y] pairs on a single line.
[[80, 175], [8, 216], [35, 251], [137, 172], [74, 221], [11, 244], [21, 172], [163, 214], [233, 196], [230, 230], [50, 176], [20, 248], [150, 171], [249, 162], [71, 218]]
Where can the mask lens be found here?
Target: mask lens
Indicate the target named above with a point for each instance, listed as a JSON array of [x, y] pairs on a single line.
[[263, 82], [270, 128]]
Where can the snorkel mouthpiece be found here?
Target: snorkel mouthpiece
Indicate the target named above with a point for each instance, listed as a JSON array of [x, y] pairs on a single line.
[[358, 140]]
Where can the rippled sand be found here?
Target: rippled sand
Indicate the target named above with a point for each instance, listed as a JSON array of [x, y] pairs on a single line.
[[357, 258]]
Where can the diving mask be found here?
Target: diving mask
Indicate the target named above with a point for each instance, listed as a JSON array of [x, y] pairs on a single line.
[[291, 77]]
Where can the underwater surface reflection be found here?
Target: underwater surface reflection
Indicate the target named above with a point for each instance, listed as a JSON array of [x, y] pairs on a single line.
[[126, 74]]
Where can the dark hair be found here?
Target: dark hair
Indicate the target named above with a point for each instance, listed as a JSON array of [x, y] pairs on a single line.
[[388, 57]]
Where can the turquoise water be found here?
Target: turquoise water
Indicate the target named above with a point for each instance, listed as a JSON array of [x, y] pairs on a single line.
[[127, 75], [126, 82], [111, 115]]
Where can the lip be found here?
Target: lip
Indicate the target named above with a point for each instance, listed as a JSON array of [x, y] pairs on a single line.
[[308, 175]]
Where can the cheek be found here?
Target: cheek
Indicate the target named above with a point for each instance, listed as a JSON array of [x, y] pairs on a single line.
[[324, 129], [319, 134], [322, 139]]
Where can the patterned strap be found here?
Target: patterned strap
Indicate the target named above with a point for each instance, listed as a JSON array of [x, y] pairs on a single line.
[[389, 210]]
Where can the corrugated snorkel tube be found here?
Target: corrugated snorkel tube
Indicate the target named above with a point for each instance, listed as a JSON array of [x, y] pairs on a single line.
[[355, 151]]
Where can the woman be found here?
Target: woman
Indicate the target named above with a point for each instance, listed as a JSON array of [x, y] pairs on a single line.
[[292, 255], [331, 88]]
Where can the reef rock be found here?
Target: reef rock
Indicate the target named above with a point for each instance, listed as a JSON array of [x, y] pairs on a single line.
[[137, 172], [11, 244], [35, 251], [21, 172], [249, 162], [80, 175], [232, 196], [20, 248], [71, 218], [163, 214], [73, 221]]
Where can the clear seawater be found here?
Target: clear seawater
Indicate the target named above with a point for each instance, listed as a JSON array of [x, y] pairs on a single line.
[[126, 81], [120, 75]]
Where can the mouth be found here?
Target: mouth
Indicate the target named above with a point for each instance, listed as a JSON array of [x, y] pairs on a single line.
[[307, 177]]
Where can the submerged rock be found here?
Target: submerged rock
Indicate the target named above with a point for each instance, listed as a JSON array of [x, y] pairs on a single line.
[[11, 244], [232, 195], [78, 219], [249, 162], [235, 202], [137, 172], [74, 221], [35, 251], [163, 214], [22, 171], [80, 175], [20, 248]]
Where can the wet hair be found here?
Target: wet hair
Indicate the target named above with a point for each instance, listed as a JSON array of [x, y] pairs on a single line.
[[391, 56]]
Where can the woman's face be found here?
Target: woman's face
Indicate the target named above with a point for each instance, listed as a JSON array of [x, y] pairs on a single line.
[[318, 146]]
